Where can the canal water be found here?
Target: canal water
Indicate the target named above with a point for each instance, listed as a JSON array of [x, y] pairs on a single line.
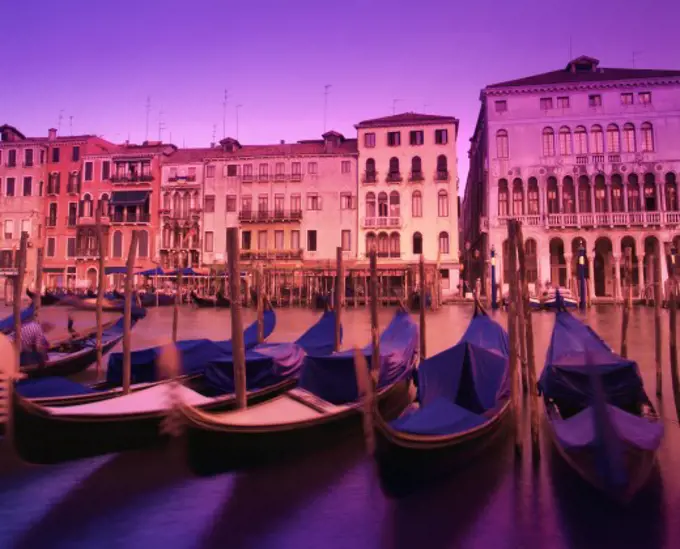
[[332, 498]]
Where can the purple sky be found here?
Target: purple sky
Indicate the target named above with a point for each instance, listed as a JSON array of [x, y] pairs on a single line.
[[98, 60]]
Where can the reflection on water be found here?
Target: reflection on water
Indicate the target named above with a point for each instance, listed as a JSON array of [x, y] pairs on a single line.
[[332, 499]]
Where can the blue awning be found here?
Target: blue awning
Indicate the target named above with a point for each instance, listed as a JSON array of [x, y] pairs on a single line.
[[115, 270], [129, 198], [152, 272], [187, 271]]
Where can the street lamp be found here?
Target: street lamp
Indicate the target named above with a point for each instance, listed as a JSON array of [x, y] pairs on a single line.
[[494, 302], [582, 276]]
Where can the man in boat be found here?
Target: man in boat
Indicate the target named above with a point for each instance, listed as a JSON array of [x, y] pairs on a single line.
[[34, 344]]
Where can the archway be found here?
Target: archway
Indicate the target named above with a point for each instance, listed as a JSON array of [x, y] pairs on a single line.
[[558, 264], [576, 244], [629, 242], [652, 250], [603, 268], [531, 260], [92, 277]]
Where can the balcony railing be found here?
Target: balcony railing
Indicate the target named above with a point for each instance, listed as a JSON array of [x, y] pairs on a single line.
[[527, 220], [442, 175], [271, 254], [71, 221], [390, 222], [131, 178], [73, 188], [392, 254], [52, 187], [297, 177], [270, 216], [581, 159], [394, 177], [416, 176], [182, 178], [130, 217], [87, 252], [247, 178], [611, 219], [263, 177], [51, 221], [369, 177]]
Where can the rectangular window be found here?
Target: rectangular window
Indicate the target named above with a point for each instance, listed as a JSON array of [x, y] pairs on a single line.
[[52, 215], [55, 154], [10, 186], [346, 166], [296, 171], [595, 100], [232, 170], [75, 156], [280, 170], [106, 169], [247, 203], [263, 203], [279, 204], [88, 171], [9, 229], [501, 106], [346, 240], [51, 246], [312, 168], [231, 203], [563, 102], [210, 170], [28, 186], [26, 226], [546, 103], [311, 241], [416, 137], [346, 202], [645, 98], [369, 140], [71, 247], [295, 240], [12, 159], [28, 158], [313, 202], [245, 240], [393, 139], [441, 137], [209, 241], [626, 98], [264, 172], [209, 203], [247, 173], [295, 203], [278, 240], [262, 240], [73, 214]]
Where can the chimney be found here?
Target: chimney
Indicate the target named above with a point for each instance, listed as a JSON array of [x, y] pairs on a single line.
[[212, 145], [283, 142], [52, 134]]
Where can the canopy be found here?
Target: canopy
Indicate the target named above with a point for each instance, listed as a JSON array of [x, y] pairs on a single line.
[[157, 271], [115, 270], [186, 271], [7, 324], [333, 377], [129, 198], [575, 351]]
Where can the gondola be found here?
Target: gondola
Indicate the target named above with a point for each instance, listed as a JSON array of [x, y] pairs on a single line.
[[462, 408], [222, 301], [600, 418], [202, 302], [151, 299], [57, 430], [7, 324], [414, 300], [566, 299], [46, 299], [534, 303], [320, 411]]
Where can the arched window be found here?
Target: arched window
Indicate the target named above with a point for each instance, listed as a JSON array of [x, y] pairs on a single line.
[[383, 245], [548, 142], [104, 205], [629, 138], [117, 244], [176, 205], [370, 205], [394, 204], [613, 139], [503, 210], [597, 139], [417, 243], [143, 244], [167, 201], [395, 245], [647, 132], [565, 141], [533, 202], [443, 203], [568, 195], [650, 193], [370, 166], [443, 242], [442, 168], [394, 167], [195, 236], [86, 206], [531, 260], [600, 194], [580, 140], [553, 198], [370, 242], [617, 193], [671, 193], [417, 204], [167, 235], [584, 202], [633, 193], [517, 197], [186, 205], [502, 144], [382, 205], [416, 168]]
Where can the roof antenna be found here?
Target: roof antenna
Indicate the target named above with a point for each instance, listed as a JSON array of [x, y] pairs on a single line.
[[394, 105], [237, 109], [224, 115], [148, 112], [635, 54], [70, 124], [571, 53], [325, 105], [61, 117], [425, 106], [214, 136], [161, 126]]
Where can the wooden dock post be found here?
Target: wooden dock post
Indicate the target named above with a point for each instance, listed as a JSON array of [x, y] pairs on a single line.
[[375, 339], [175, 308], [656, 274], [38, 279], [127, 313], [627, 301], [365, 389], [672, 333], [18, 285], [339, 294], [421, 267], [259, 292], [238, 346], [512, 335], [101, 276]]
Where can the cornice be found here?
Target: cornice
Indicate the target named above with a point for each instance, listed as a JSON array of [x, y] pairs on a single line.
[[581, 86]]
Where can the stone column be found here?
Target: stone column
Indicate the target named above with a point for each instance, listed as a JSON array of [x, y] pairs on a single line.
[[625, 196], [591, 274], [664, 269], [618, 293], [560, 197], [568, 258], [592, 196], [641, 274], [661, 203], [608, 191]]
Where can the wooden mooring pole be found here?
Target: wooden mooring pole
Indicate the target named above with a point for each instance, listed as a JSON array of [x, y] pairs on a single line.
[[339, 294], [512, 334], [375, 338], [127, 313], [656, 278], [422, 301], [238, 346], [101, 277], [627, 301]]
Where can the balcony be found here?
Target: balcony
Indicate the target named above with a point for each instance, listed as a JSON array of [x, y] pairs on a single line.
[[71, 221], [87, 253], [270, 216], [194, 245], [131, 217], [369, 178], [182, 179], [384, 254], [296, 177], [281, 177], [416, 176], [270, 254], [131, 178], [394, 177], [581, 160], [442, 175], [526, 220], [392, 222], [611, 219], [53, 187]]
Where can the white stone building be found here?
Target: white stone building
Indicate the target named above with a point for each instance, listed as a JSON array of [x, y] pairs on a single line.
[[408, 189], [586, 156]]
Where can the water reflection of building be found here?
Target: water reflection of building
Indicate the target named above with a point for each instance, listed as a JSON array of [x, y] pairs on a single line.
[[582, 156]]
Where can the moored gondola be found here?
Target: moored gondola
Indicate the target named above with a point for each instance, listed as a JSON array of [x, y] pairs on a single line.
[[203, 302], [320, 411], [462, 408], [46, 299], [562, 295], [54, 430], [7, 324], [599, 416]]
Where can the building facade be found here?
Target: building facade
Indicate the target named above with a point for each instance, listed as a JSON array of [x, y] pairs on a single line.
[[408, 190], [583, 156]]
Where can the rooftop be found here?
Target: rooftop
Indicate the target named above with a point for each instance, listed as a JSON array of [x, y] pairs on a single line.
[[406, 119]]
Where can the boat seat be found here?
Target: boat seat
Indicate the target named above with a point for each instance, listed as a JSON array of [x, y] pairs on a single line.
[[439, 417], [51, 387]]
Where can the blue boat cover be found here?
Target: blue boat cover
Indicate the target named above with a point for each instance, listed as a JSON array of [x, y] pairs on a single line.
[[51, 387], [157, 271], [7, 324], [333, 377], [319, 340], [456, 386], [566, 374], [195, 355], [186, 271], [115, 270]]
